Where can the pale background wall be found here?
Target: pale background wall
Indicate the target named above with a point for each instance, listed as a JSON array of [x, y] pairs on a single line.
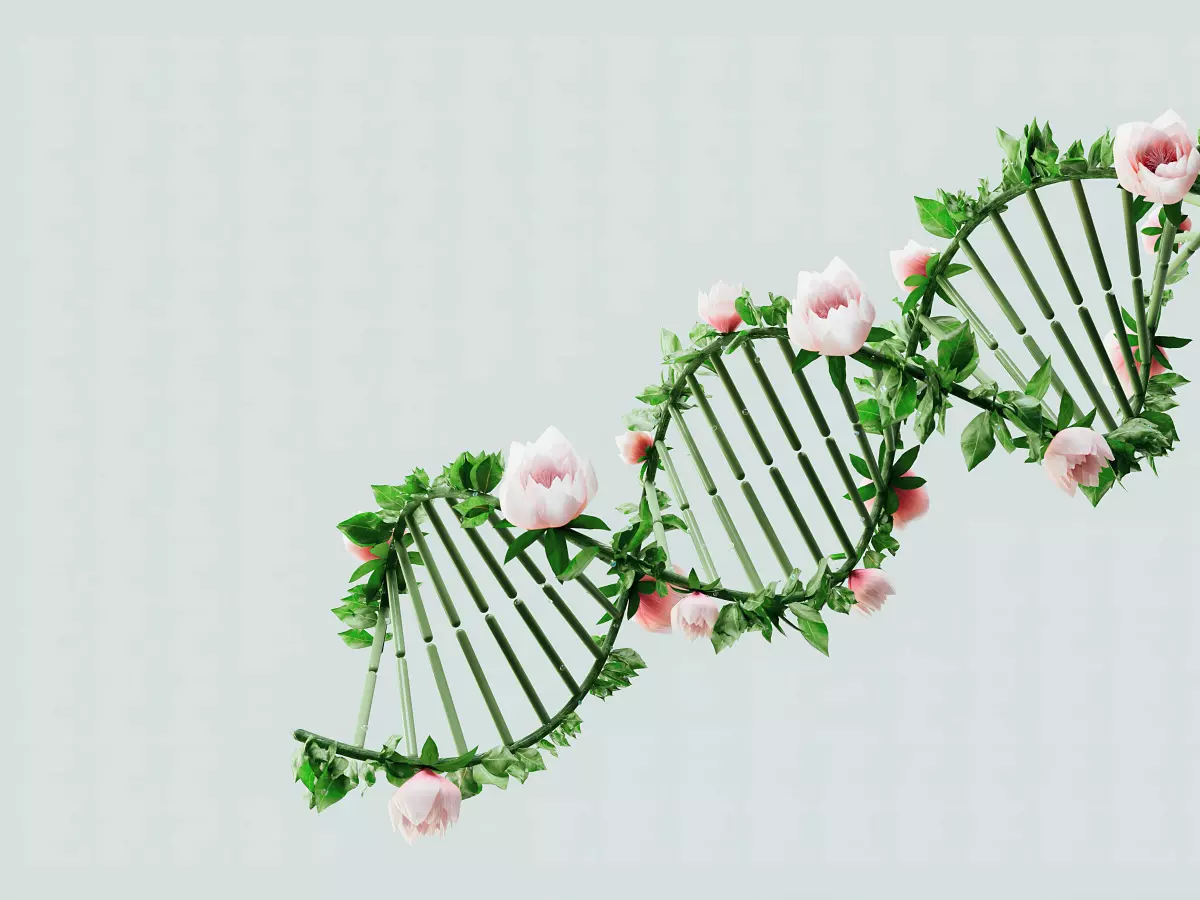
[[245, 276]]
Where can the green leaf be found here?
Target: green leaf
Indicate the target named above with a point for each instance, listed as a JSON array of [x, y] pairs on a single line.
[[957, 353], [907, 482], [522, 541], [577, 565], [730, 625], [669, 342], [955, 269], [803, 358], [557, 554], [429, 751], [390, 496], [816, 633], [837, 369], [860, 466], [934, 217], [978, 440], [1010, 145], [746, 310], [868, 416], [365, 529], [586, 522], [1040, 382], [1066, 412], [878, 333], [905, 461], [1171, 343], [366, 568], [906, 400], [357, 638]]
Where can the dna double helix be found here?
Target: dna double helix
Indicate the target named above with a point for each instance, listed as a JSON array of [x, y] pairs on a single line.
[[829, 484]]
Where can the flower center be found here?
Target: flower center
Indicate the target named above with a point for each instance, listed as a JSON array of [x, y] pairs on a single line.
[[544, 472], [1158, 153], [827, 303]]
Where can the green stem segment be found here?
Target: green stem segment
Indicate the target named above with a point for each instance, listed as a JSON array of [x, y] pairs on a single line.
[[368, 694]]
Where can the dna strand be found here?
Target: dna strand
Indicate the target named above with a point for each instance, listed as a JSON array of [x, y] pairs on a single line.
[[834, 479]]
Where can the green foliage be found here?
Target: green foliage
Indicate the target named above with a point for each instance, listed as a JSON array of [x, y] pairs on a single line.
[[327, 776], [619, 669]]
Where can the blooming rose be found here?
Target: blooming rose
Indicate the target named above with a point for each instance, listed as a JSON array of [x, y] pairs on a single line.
[[908, 262], [1076, 456], [871, 588], [632, 445], [545, 484], [1157, 160], [832, 315]]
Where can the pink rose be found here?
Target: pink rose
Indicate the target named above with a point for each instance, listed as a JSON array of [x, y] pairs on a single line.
[[1149, 240], [871, 588], [362, 554], [910, 261], [694, 616], [913, 503], [832, 315], [545, 484], [428, 803], [1159, 160], [632, 445], [1113, 345], [654, 612], [1076, 456], [717, 307]]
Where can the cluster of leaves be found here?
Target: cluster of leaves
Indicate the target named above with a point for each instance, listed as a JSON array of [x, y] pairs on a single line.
[[1028, 159], [327, 776], [554, 542], [618, 671], [499, 764], [766, 610]]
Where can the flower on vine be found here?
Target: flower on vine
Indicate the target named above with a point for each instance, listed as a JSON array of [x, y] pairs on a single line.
[[1076, 456], [717, 307], [545, 484], [908, 262], [1157, 160], [871, 588], [654, 612], [428, 803], [694, 616], [1150, 240], [911, 503], [362, 554], [632, 445], [832, 315], [1113, 345]]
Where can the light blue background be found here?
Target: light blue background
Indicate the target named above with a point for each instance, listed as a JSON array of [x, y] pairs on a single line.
[[246, 276]]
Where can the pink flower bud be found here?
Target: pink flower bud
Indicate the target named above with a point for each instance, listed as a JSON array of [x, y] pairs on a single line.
[[694, 616], [1113, 345], [912, 504], [654, 612], [1158, 160], [428, 803], [871, 588], [632, 445], [1076, 456], [717, 307], [832, 315], [545, 484], [908, 262], [1149, 240]]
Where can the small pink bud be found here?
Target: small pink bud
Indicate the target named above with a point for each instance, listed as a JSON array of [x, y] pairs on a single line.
[[1113, 345], [717, 307], [632, 445], [871, 588], [832, 315], [1076, 456], [908, 262], [428, 803], [362, 554], [912, 504], [654, 612], [1149, 240], [694, 616]]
